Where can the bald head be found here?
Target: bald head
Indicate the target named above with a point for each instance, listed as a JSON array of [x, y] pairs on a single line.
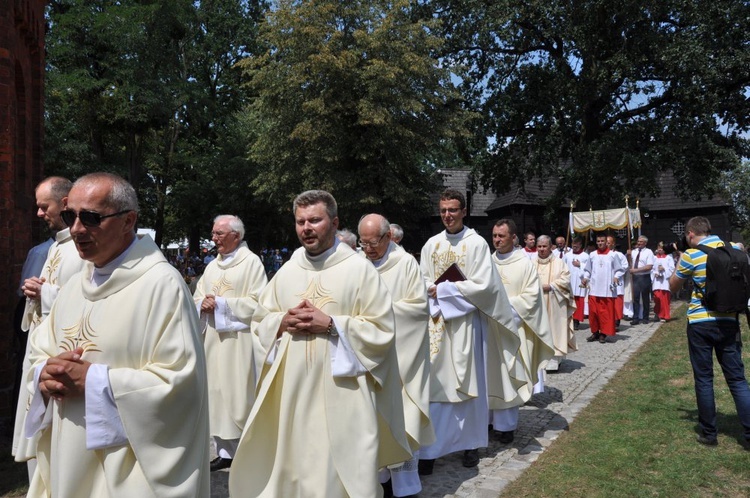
[[374, 235], [51, 199]]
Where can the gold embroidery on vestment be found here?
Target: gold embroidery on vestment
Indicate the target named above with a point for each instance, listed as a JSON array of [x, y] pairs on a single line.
[[53, 266], [80, 335], [437, 331], [221, 286], [318, 296]]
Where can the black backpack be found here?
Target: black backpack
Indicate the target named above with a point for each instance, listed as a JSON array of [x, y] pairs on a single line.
[[727, 288]]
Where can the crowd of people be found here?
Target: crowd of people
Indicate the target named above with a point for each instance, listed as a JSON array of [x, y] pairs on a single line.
[[347, 373]]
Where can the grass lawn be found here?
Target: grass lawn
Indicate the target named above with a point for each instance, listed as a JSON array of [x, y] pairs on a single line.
[[637, 437]]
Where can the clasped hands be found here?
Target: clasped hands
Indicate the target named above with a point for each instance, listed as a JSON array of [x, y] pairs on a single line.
[[32, 287], [304, 318], [64, 375], [208, 305]]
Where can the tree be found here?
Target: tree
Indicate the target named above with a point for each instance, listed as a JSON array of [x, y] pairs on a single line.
[[145, 89], [348, 97], [600, 96], [737, 188]]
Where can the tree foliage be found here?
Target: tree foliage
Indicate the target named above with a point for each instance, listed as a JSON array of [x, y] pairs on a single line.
[[148, 90], [600, 96], [348, 97]]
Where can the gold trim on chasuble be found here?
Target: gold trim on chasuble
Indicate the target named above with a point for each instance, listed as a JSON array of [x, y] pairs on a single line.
[[319, 296], [221, 286], [440, 263], [53, 266], [80, 335]]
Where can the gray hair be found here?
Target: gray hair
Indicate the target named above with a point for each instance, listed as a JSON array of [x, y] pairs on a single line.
[[59, 187], [542, 238], [311, 197], [397, 233], [235, 223], [643, 237], [121, 196], [346, 236]]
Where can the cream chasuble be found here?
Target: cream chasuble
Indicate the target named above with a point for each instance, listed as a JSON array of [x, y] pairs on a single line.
[[62, 263], [141, 324], [453, 371], [559, 302], [230, 363], [309, 433], [521, 281], [401, 275]]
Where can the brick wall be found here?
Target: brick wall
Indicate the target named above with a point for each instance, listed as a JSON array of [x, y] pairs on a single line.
[[21, 137]]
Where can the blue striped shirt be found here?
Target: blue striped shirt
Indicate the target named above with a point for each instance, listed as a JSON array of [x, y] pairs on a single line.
[[693, 265]]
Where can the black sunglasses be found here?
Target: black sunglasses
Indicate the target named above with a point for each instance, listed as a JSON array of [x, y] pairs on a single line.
[[88, 218]]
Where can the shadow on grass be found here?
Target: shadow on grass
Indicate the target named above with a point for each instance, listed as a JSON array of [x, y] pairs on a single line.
[[728, 424]]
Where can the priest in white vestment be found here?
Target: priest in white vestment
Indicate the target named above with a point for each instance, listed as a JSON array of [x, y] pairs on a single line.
[[474, 342], [226, 297], [400, 272], [521, 283], [328, 412], [554, 278], [118, 379], [61, 264]]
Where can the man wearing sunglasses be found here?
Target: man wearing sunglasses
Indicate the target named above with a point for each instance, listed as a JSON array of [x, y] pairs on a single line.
[[226, 297], [118, 370], [61, 264]]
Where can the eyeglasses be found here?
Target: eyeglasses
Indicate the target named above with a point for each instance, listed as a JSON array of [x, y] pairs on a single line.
[[364, 244], [88, 218], [220, 234]]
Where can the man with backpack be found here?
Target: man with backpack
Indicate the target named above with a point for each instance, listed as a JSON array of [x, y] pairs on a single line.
[[710, 329]]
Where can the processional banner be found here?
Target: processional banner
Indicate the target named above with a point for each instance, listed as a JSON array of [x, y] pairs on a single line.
[[614, 219]]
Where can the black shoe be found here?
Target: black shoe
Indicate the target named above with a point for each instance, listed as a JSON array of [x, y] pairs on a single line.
[[506, 437], [634, 322], [708, 441], [424, 467], [219, 463], [471, 458], [593, 337], [576, 325]]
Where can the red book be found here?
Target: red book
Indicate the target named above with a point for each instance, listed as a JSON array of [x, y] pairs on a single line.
[[452, 274]]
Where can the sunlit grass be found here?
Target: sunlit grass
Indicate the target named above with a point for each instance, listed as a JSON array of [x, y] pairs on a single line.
[[637, 437]]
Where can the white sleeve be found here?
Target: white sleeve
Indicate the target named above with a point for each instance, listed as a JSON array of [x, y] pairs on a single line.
[[224, 319], [104, 427], [39, 416], [452, 303], [344, 363], [48, 296]]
